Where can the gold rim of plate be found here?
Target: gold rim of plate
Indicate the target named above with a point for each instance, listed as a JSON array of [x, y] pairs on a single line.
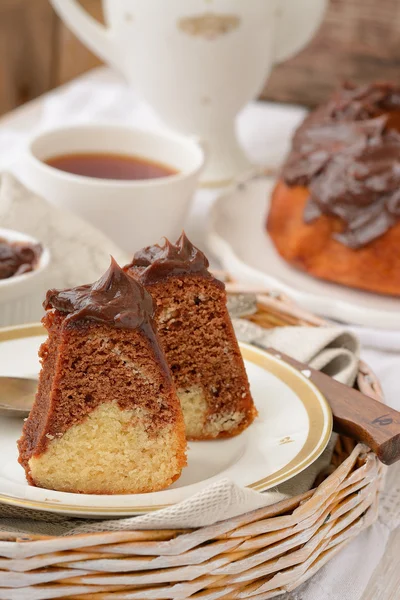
[[316, 405]]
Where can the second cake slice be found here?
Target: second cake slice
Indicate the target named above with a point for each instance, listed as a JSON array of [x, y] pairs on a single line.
[[197, 337]]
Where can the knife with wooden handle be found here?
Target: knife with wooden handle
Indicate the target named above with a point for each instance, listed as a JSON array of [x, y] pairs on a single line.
[[354, 414]]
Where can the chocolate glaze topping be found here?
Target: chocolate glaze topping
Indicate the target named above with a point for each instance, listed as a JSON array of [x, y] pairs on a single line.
[[158, 262], [17, 258], [115, 299], [347, 153]]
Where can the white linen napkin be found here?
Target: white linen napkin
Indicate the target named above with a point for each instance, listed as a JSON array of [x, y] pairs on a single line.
[[332, 350]]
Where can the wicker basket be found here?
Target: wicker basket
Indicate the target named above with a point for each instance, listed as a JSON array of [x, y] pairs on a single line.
[[257, 555]]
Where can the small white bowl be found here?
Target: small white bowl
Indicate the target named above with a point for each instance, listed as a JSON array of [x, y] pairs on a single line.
[[21, 296], [133, 213]]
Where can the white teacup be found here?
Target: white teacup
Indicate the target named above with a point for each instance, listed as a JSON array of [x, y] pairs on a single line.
[[133, 213], [198, 62]]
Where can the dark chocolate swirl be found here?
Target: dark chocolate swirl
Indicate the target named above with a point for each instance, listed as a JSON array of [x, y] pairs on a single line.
[[17, 258], [348, 154], [158, 262], [115, 299]]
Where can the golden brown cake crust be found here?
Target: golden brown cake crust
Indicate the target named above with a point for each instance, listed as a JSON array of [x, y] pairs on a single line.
[[311, 247], [335, 213]]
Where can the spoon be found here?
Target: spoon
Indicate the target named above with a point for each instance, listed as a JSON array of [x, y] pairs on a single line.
[[16, 396]]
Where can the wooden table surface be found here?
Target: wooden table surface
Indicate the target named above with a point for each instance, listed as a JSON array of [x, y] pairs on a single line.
[[385, 581]]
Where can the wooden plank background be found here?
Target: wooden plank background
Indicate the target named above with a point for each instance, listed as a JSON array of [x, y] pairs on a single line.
[[358, 41], [37, 51]]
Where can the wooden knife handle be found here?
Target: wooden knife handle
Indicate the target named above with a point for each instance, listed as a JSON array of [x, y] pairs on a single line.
[[356, 415]]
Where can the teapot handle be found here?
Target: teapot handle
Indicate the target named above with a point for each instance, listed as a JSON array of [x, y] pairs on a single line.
[[296, 24], [86, 28]]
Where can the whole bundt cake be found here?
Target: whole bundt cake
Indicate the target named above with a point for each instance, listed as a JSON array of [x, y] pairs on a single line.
[[335, 212]]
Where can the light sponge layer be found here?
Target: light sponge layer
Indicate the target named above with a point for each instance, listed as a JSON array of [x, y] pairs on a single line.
[[194, 408], [200, 422], [110, 452]]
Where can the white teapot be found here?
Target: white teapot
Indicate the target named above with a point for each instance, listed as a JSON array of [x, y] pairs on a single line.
[[198, 62]]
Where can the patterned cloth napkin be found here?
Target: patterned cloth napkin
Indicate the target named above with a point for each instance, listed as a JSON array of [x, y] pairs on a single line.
[[80, 253]]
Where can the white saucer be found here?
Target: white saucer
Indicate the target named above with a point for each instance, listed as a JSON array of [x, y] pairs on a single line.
[[278, 445], [238, 238]]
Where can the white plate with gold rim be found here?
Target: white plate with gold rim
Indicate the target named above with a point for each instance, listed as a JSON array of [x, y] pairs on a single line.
[[291, 431], [237, 237]]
